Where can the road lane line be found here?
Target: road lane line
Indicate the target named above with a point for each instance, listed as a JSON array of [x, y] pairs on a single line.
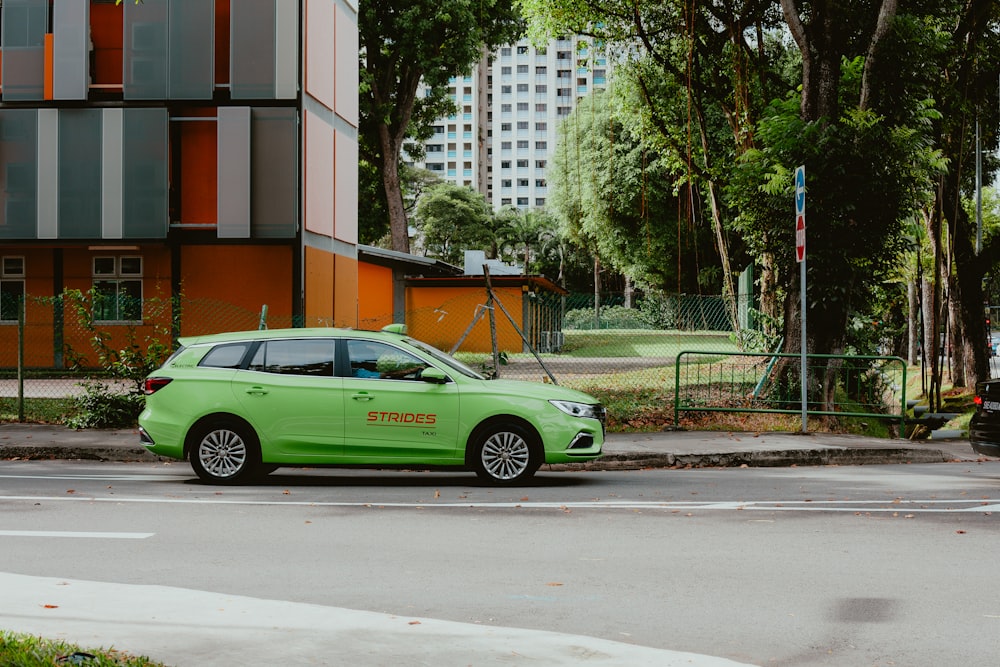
[[867, 506], [75, 534]]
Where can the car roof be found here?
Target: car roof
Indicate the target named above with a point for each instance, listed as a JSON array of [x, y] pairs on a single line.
[[269, 334]]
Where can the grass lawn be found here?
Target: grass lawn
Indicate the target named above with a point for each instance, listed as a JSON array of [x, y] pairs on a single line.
[[28, 651], [642, 343]]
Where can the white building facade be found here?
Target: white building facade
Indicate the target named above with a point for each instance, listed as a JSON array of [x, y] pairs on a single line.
[[501, 140]]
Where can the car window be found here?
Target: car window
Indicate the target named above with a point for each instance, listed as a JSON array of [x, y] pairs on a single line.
[[445, 359], [225, 356], [371, 359], [295, 357]]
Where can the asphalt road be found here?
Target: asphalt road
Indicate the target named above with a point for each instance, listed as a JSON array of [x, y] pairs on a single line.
[[866, 565]]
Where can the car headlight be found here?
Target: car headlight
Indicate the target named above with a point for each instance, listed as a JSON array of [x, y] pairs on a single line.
[[577, 409]]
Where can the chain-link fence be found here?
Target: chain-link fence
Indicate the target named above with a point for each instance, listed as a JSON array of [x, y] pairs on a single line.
[[621, 353]]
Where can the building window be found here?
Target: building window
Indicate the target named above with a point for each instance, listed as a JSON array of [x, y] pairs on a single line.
[[522, 182], [541, 145], [11, 288], [540, 164], [522, 106], [521, 50], [522, 125], [522, 164], [522, 201], [522, 87], [505, 164], [542, 126], [540, 202], [505, 51], [117, 289], [505, 71], [505, 183], [505, 89], [541, 70], [539, 182], [541, 89], [505, 127], [505, 108], [505, 145], [541, 108], [522, 69]]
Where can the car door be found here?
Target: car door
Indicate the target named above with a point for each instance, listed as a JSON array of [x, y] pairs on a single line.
[[391, 415], [291, 396]]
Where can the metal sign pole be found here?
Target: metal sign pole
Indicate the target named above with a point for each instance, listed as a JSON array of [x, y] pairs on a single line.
[[802, 290], [800, 256]]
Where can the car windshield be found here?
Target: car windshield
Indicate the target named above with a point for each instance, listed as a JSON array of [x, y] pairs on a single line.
[[446, 359]]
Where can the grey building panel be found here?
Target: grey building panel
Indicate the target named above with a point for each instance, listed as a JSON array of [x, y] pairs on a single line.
[[191, 49], [23, 24], [144, 173], [145, 50], [111, 174], [234, 173], [252, 45], [274, 173], [79, 208], [18, 173], [48, 174], [71, 49], [286, 35]]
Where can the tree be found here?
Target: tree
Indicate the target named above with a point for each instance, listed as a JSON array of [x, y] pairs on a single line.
[[402, 46], [453, 219]]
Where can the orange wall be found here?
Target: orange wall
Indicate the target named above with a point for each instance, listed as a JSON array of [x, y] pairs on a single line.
[[106, 31], [374, 296], [199, 169], [345, 291], [225, 287], [318, 287], [440, 315]]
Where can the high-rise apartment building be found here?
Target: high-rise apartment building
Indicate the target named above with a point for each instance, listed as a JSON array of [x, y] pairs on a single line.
[[501, 141]]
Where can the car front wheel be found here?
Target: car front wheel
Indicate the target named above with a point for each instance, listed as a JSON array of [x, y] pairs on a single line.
[[505, 454], [225, 451]]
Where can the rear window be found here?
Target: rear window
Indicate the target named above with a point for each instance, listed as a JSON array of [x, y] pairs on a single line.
[[225, 356], [295, 357]]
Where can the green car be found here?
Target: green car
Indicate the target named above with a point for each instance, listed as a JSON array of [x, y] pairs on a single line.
[[242, 404]]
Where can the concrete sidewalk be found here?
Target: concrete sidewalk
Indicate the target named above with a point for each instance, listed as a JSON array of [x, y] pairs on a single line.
[[664, 449]]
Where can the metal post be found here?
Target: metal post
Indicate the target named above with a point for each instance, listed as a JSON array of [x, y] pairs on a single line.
[[802, 290], [20, 358]]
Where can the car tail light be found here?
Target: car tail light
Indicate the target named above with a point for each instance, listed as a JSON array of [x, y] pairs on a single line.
[[153, 385], [978, 400]]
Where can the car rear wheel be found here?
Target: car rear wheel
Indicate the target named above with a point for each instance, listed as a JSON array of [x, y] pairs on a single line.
[[505, 453], [225, 451]]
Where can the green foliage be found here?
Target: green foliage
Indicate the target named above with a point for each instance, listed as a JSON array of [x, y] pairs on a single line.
[[22, 650], [611, 317], [115, 404], [104, 406], [453, 219]]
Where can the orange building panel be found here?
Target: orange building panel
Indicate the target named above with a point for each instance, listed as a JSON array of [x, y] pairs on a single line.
[[318, 287], [345, 291], [375, 288], [440, 315]]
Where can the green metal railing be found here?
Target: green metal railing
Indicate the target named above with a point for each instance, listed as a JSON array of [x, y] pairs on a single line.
[[859, 386]]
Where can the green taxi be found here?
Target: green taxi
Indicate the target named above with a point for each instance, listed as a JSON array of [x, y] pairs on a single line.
[[241, 404]]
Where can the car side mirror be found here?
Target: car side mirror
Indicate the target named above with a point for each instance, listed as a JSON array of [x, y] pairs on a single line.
[[433, 375]]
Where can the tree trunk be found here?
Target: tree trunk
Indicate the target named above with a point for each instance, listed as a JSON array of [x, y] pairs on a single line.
[[912, 324]]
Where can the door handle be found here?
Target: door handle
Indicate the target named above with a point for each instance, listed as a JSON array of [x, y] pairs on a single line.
[[362, 396], [256, 391]]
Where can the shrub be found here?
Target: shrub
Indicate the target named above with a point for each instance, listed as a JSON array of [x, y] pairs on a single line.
[[101, 406]]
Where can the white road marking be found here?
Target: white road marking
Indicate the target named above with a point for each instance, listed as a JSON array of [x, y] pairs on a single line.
[[861, 506], [73, 533]]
